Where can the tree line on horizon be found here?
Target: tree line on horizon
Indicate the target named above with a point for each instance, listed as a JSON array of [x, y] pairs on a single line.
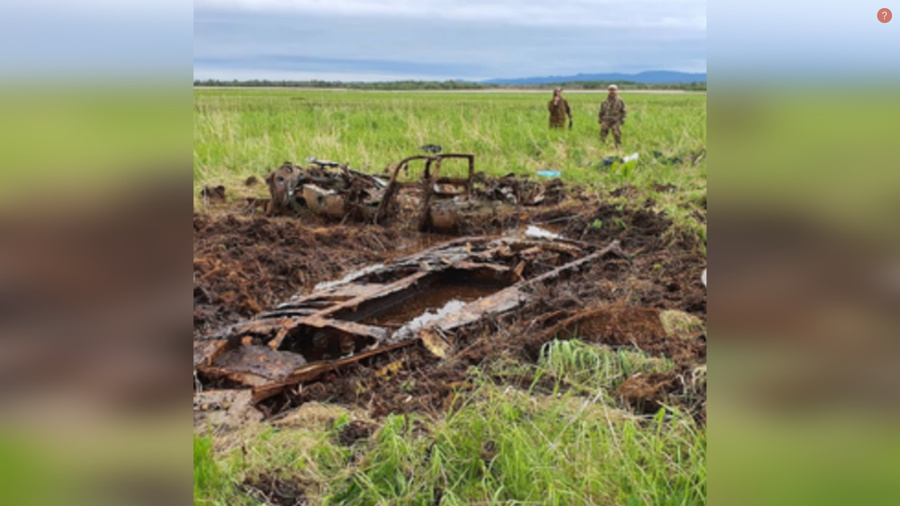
[[445, 85]]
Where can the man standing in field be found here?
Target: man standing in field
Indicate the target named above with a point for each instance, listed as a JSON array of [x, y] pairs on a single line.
[[559, 109], [612, 116]]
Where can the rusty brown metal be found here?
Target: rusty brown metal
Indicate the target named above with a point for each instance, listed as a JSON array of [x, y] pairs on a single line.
[[327, 188], [282, 184], [395, 185], [343, 322], [434, 178], [430, 184], [443, 203]]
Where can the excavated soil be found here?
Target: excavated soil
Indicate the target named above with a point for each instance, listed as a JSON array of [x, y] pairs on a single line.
[[246, 263]]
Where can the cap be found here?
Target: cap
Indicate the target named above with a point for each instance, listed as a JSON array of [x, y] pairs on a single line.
[[613, 87]]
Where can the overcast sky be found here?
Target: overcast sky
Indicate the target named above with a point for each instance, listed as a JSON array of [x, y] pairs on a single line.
[[447, 39], [444, 39]]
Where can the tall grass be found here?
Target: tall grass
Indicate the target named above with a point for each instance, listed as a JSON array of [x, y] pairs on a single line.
[[503, 449], [590, 367], [238, 133], [500, 445]]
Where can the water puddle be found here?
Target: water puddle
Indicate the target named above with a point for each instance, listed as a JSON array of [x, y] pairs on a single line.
[[438, 297]]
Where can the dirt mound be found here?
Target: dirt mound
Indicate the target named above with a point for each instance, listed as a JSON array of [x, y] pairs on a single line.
[[640, 327], [614, 325]]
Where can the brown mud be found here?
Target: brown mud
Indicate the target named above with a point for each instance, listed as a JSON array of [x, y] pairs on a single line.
[[246, 263], [275, 490]]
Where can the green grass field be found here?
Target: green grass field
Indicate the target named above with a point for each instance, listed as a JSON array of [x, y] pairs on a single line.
[[498, 445], [244, 132]]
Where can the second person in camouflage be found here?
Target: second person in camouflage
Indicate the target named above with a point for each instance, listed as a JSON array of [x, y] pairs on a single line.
[[612, 115]]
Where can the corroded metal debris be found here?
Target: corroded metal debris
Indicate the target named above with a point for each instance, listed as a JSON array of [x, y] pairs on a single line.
[[440, 202], [328, 188], [424, 298]]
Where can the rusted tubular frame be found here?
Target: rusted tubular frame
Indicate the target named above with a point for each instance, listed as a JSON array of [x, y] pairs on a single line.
[[430, 179], [395, 185]]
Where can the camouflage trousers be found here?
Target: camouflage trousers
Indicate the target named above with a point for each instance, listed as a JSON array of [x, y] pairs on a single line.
[[557, 122], [616, 131]]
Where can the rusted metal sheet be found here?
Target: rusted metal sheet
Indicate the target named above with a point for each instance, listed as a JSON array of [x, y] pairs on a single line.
[[385, 308]]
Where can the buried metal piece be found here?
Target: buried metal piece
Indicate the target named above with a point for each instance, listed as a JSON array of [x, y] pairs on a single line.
[[379, 310]]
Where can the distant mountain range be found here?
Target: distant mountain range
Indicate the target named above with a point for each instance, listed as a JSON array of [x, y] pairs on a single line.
[[648, 77]]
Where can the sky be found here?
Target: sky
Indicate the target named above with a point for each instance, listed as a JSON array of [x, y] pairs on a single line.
[[752, 40], [375, 40], [94, 38], [821, 41]]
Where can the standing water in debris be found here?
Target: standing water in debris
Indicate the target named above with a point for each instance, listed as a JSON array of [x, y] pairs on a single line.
[[428, 306]]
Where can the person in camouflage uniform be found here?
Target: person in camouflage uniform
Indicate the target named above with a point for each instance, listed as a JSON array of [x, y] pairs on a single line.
[[612, 116], [559, 109]]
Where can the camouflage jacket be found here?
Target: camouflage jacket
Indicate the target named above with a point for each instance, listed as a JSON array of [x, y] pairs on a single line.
[[612, 110], [558, 112]]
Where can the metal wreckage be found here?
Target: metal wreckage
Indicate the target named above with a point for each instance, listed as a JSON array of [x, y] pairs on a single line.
[[438, 202], [426, 298]]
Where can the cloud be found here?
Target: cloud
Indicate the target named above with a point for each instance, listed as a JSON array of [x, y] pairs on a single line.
[[409, 40], [685, 14]]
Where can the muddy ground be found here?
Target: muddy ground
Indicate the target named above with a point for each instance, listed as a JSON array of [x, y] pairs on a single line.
[[245, 263]]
